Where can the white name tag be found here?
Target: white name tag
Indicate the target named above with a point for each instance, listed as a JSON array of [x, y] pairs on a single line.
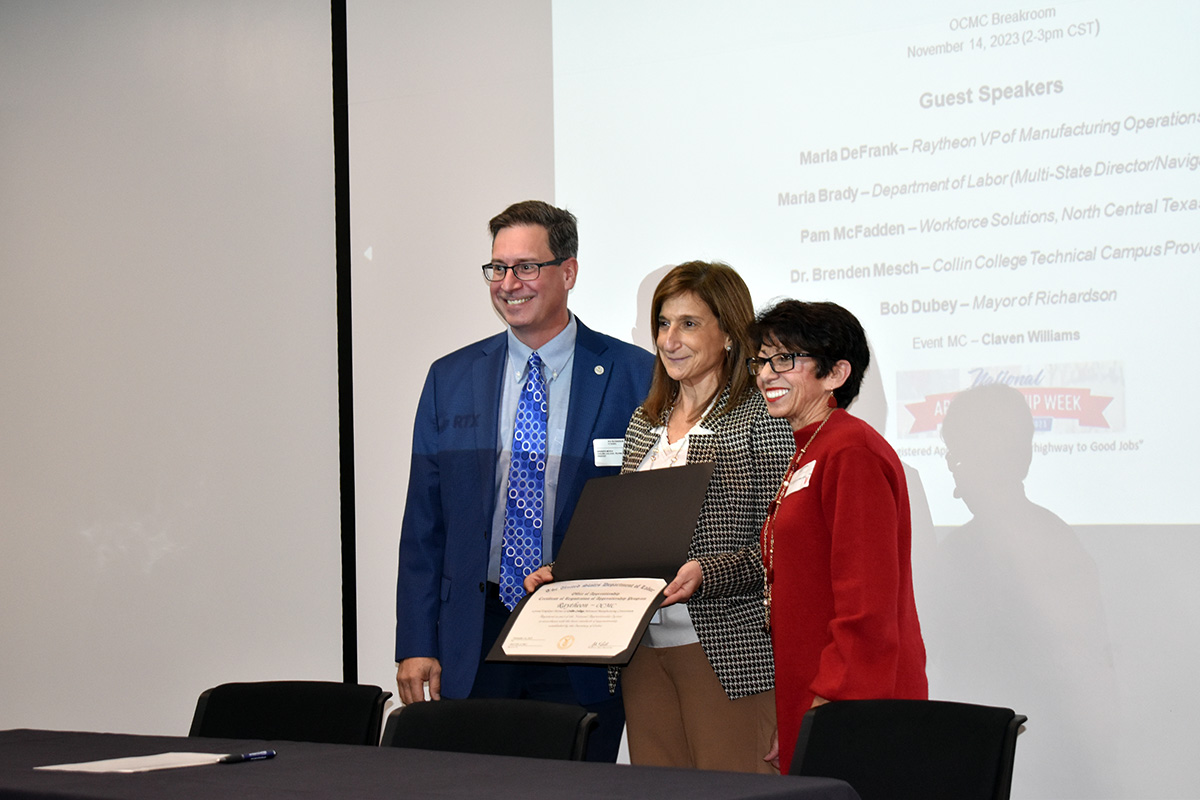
[[608, 452], [800, 478]]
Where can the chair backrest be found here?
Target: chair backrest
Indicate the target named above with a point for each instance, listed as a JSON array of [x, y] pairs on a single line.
[[532, 728], [920, 749], [302, 711]]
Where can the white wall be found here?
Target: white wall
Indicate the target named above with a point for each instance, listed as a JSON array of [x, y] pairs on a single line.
[[169, 502], [450, 122]]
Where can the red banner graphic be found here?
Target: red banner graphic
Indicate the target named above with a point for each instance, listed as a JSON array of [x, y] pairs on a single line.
[[1059, 403]]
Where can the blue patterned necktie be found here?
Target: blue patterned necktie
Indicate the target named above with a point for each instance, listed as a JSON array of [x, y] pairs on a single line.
[[521, 551]]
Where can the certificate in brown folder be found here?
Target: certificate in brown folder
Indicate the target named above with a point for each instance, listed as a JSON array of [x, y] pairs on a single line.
[[628, 537]]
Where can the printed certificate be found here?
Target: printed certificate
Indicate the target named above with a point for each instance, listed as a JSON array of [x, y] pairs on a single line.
[[599, 618], [640, 523]]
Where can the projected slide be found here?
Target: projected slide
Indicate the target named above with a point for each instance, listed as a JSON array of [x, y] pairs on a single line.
[[1007, 195]]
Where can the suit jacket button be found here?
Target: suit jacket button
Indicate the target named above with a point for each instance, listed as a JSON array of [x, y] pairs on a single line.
[[482, 586]]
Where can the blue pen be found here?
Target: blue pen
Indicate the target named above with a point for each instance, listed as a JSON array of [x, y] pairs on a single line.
[[237, 758]]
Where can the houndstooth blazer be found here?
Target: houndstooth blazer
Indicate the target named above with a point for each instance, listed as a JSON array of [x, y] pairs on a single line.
[[751, 451]]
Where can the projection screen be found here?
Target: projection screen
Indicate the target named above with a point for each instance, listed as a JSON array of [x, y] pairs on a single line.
[[1005, 194]]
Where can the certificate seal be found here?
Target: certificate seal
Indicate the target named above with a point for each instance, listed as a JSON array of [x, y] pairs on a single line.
[[565, 642]]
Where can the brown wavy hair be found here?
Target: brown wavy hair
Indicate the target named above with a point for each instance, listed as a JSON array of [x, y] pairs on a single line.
[[727, 296]]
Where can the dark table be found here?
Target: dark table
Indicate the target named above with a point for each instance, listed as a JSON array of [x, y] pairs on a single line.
[[305, 770]]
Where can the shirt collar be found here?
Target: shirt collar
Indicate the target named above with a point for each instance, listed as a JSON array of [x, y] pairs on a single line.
[[556, 354], [698, 428]]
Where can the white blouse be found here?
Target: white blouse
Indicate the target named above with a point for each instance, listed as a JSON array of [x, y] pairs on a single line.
[[670, 626]]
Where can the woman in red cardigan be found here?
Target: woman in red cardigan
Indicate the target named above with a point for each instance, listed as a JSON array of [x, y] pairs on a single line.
[[835, 546], [834, 561]]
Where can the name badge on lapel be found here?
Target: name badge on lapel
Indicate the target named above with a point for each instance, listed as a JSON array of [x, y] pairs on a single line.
[[608, 452]]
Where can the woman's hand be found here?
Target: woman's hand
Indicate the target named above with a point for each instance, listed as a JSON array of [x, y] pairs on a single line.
[[686, 582], [536, 579], [772, 756]]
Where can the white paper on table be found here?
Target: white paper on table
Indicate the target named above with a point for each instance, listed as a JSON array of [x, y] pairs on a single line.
[[141, 763], [583, 618]]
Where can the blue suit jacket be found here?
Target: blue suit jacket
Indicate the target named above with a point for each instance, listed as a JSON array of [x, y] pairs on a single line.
[[451, 492]]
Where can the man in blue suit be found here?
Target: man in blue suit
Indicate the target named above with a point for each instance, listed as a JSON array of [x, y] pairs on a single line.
[[449, 608]]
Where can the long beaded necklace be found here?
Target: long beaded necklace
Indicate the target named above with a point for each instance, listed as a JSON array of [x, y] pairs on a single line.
[[767, 536]]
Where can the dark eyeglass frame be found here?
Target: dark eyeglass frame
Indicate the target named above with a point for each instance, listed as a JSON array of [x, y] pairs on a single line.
[[755, 365], [494, 273]]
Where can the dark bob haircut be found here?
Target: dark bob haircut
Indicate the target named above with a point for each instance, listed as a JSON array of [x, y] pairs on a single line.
[[826, 331]]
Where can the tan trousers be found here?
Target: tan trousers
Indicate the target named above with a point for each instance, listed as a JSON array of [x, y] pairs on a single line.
[[677, 714]]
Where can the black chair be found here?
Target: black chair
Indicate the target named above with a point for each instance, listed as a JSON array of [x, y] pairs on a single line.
[[300, 711], [919, 749], [532, 728]]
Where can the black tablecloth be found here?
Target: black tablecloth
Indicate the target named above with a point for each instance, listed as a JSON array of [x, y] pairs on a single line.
[[304, 770]]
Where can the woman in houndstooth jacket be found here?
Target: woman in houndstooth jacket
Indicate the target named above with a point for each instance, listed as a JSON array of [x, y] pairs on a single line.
[[699, 691]]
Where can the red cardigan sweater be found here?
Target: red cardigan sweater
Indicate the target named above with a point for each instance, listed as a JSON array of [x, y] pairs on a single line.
[[843, 620]]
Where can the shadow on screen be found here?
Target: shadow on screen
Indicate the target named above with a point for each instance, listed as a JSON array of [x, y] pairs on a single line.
[[1016, 617]]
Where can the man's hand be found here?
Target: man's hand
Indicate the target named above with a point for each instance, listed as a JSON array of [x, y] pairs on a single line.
[[686, 582], [537, 578], [411, 675]]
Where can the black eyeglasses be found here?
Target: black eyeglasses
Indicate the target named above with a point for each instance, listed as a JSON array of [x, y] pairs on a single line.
[[780, 362], [524, 272]]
